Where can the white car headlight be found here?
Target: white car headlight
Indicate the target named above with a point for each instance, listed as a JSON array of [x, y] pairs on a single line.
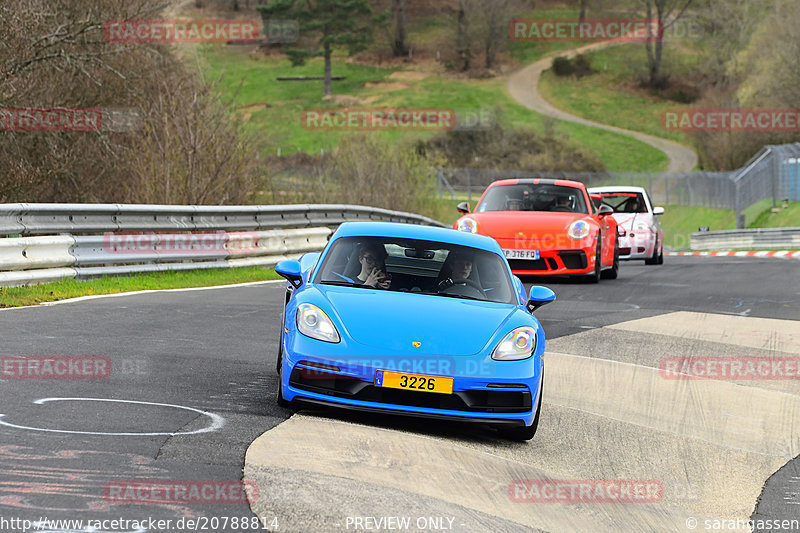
[[579, 229], [519, 344], [467, 224], [313, 322]]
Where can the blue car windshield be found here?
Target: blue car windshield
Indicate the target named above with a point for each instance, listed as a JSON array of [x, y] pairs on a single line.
[[409, 265]]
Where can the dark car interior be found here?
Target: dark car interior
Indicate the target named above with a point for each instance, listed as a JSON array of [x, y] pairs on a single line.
[[421, 266], [533, 197]]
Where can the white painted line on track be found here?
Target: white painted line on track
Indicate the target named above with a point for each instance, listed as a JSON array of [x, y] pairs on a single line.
[[780, 254]]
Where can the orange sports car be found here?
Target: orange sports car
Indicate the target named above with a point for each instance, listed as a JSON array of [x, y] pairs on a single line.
[[546, 227]]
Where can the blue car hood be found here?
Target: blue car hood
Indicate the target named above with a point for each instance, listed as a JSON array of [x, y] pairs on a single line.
[[392, 321]]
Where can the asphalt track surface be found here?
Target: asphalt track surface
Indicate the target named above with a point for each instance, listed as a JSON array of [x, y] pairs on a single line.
[[213, 351]]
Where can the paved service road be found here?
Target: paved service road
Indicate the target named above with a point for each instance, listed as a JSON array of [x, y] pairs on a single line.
[[523, 86], [201, 364]]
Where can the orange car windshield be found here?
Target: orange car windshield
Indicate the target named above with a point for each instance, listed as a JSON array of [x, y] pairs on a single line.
[[533, 197]]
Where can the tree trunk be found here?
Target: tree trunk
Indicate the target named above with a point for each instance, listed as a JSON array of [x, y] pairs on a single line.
[[648, 45], [582, 16], [655, 45], [656, 77], [327, 55], [399, 47], [462, 43]]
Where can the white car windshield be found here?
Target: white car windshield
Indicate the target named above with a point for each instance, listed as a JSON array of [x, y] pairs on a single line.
[[625, 202]]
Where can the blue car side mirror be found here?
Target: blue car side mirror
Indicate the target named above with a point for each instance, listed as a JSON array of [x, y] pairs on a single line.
[[539, 296], [290, 269]]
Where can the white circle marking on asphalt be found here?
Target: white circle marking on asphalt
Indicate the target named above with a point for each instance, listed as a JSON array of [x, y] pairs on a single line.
[[216, 421]]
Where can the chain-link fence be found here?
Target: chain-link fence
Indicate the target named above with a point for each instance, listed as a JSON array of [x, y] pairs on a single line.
[[710, 189], [772, 174]]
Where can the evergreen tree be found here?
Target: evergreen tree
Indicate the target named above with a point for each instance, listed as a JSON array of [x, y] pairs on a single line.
[[325, 25]]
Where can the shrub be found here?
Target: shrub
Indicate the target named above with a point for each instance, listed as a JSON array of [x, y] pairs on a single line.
[[562, 66], [363, 170]]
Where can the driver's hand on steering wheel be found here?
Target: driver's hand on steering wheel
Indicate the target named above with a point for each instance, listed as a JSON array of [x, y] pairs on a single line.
[[445, 284]]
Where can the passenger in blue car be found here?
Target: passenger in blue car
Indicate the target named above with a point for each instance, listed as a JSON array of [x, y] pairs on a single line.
[[372, 258]]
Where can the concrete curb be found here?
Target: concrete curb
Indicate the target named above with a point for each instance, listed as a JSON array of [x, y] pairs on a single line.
[[782, 254]]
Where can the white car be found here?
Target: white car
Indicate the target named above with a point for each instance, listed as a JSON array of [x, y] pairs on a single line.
[[638, 227]]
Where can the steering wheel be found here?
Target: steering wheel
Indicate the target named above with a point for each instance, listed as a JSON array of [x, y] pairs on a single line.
[[471, 282], [470, 285]]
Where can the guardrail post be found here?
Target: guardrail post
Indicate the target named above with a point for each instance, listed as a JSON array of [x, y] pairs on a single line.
[[737, 201]]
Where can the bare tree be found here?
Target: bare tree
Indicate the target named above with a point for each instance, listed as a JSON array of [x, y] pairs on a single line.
[[485, 23], [190, 143], [769, 71], [491, 24], [726, 26], [665, 13], [53, 53], [463, 35], [399, 45]]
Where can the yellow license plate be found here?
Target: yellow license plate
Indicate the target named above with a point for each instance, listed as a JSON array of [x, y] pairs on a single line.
[[417, 382]]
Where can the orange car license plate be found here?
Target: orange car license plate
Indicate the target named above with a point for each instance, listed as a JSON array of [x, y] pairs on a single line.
[[522, 254], [417, 382]]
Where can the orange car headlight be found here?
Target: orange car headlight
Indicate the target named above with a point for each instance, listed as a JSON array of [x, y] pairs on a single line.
[[579, 229], [467, 224]]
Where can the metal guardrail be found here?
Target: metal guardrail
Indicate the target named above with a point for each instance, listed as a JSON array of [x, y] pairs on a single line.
[[44, 219], [114, 239], [760, 238]]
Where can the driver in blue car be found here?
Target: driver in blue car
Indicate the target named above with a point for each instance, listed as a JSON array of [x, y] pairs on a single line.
[[460, 266], [372, 258]]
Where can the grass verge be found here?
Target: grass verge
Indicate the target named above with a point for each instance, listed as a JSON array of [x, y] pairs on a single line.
[[679, 221], [785, 218], [271, 110], [610, 96], [70, 288]]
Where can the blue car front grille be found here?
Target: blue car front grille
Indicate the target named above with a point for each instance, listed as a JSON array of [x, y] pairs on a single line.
[[474, 400]]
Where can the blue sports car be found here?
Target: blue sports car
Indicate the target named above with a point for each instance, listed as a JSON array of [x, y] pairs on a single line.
[[413, 320]]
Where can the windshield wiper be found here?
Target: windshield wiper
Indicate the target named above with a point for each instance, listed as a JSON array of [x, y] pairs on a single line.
[[448, 295], [345, 283]]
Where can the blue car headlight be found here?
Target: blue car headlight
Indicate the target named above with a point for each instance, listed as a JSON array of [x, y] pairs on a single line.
[[518, 344], [313, 322]]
